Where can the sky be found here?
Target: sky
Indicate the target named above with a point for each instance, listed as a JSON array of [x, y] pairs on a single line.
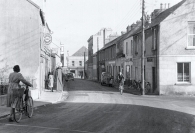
[[74, 21]]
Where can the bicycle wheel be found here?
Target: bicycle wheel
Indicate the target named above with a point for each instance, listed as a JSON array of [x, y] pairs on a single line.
[[17, 111], [29, 107]]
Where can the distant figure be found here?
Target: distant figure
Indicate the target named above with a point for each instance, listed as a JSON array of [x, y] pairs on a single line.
[[81, 75], [50, 81], [121, 81]]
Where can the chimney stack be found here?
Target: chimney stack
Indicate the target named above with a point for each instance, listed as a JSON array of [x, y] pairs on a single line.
[[161, 6], [168, 5]]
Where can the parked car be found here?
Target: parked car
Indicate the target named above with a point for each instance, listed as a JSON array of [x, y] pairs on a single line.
[[69, 76], [107, 79]]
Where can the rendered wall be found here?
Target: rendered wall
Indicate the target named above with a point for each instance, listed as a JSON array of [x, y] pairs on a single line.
[[20, 29], [173, 44]]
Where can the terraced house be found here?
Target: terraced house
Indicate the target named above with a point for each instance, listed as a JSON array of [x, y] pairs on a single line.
[[169, 50]]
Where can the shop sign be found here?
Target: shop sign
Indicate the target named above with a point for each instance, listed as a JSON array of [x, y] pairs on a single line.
[[111, 62], [47, 39]]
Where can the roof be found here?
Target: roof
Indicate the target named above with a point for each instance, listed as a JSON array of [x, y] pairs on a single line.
[[81, 51], [121, 38], [162, 16], [30, 1]]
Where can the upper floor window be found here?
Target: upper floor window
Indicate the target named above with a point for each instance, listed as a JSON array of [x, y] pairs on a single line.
[[183, 72], [72, 63], [191, 34], [131, 46], [154, 39], [80, 63], [127, 48], [136, 43]]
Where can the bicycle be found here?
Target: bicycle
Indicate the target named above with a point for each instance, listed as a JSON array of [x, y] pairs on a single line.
[[23, 106], [147, 88]]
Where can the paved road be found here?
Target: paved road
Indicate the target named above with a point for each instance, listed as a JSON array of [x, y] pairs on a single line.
[[92, 108]]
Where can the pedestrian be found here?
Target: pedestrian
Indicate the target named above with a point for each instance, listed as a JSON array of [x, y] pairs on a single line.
[[51, 80], [13, 89], [121, 81], [81, 75]]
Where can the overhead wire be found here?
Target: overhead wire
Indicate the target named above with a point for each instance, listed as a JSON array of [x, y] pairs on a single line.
[[129, 13]]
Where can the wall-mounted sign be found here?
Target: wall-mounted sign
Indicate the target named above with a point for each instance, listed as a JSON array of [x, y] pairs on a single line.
[[111, 62], [149, 59], [47, 39]]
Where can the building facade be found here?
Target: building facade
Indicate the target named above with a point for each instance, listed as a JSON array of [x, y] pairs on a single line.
[[76, 62], [23, 28]]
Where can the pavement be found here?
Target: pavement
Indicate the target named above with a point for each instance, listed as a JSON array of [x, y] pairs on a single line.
[[47, 97]]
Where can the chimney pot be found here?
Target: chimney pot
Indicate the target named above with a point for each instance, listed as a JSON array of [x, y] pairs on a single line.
[[165, 6]]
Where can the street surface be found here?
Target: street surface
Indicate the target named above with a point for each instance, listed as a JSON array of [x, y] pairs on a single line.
[[92, 108]]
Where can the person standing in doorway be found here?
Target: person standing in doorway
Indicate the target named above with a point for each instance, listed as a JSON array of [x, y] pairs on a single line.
[[50, 81]]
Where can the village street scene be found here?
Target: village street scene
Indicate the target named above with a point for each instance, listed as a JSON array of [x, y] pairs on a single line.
[[101, 66]]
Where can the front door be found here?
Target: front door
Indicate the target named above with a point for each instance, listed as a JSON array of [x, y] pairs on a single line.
[[153, 79]]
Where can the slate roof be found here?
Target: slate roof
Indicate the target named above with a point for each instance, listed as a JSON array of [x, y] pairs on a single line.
[[163, 15], [81, 51]]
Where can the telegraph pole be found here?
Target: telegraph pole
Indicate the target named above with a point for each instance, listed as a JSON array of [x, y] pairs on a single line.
[[84, 67], [143, 47]]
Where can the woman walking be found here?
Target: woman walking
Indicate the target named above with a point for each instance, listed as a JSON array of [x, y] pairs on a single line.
[[14, 80]]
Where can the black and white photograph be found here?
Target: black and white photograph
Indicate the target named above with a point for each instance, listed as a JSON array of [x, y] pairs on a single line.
[[97, 66]]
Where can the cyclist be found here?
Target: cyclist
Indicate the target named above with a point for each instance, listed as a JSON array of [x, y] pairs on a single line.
[[121, 81], [14, 80]]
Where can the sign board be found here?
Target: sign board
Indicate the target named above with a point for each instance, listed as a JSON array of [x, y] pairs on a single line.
[[47, 39]]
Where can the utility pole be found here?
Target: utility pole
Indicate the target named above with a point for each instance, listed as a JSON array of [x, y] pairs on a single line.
[[143, 47], [84, 67]]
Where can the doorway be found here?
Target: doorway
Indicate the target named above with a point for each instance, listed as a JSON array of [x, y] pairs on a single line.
[[153, 79]]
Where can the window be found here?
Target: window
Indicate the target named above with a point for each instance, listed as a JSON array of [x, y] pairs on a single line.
[[131, 46], [62, 48], [136, 43], [191, 34], [80, 63], [154, 39], [127, 48], [183, 72], [72, 63]]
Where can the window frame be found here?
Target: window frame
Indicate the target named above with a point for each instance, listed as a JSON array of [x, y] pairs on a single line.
[[73, 63], [131, 46], [127, 48], [154, 39], [188, 34], [80, 63], [183, 82]]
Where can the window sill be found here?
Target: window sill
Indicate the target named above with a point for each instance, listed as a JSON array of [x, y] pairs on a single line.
[[190, 48], [183, 83], [153, 49]]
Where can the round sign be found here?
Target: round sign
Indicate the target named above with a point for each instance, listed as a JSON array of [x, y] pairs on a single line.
[[47, 39]]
